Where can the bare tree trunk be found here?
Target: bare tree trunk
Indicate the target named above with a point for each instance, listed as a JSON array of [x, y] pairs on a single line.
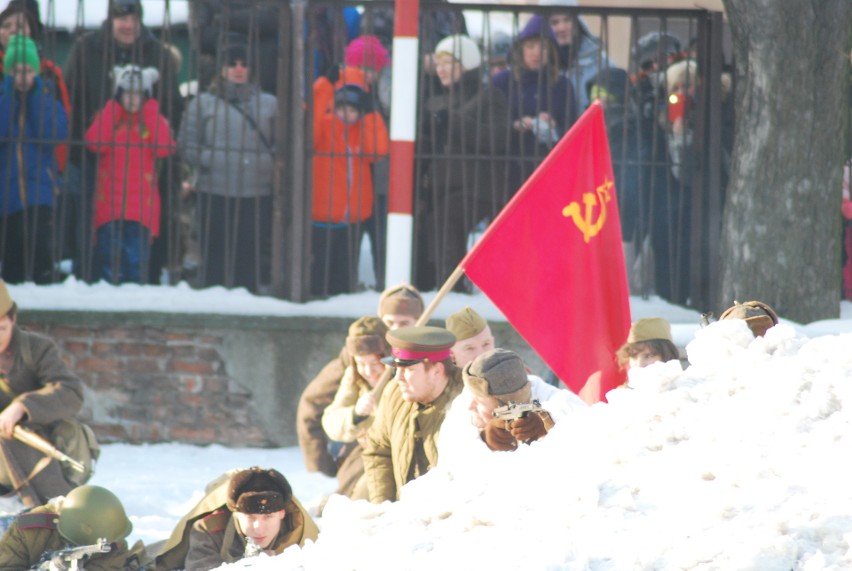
[[781, 228]]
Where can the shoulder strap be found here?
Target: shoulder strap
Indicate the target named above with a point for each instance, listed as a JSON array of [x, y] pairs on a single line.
[[254, 126], [41, 520]]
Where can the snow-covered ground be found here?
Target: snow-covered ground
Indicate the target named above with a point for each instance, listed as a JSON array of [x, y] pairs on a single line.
[[738, 462]]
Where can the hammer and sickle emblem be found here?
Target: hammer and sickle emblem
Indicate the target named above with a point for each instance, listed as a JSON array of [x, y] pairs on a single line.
[[587, 226]]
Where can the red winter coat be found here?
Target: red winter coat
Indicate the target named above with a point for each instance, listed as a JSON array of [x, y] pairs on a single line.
[[128, 147]]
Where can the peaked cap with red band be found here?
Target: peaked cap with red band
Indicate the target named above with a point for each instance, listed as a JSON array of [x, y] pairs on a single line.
[[412, 345]]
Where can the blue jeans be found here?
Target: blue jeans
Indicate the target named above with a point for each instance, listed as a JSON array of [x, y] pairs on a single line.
[[122, 252]]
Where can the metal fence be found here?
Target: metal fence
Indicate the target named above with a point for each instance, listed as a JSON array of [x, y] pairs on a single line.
[[248, 171]]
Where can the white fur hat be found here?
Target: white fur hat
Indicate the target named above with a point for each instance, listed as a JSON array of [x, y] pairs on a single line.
[[463, 49], [131, 77]]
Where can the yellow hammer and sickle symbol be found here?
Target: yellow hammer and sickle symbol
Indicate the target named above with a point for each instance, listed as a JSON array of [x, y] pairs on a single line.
[[590, 228]]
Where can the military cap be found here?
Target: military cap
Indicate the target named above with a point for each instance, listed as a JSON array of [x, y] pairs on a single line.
[[466, 323], [401, 299], [650, 328], [757, 315], [258, 491], [497, 373], [367, 337], [6, 302], [412, 345]]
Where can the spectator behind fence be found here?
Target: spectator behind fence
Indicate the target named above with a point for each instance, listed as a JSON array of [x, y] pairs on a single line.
[[463, 140], [32, 122], [228, 136], [121, 40], [213, 21], [653, 53], [541, 101], [129, 136], [22, 17], [346, 142], [581, 55], [368, 54]]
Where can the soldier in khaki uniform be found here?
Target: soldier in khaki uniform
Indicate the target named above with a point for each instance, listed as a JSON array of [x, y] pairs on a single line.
[[473, 336], [37, 390], [402, 443], [399, 306], [86, 515], [244, 513], [350, 414]]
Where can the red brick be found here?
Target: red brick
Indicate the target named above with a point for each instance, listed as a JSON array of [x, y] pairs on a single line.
[[196, 367], [142, 366], [193, 399], [182, 351], [101, 348], [193, 434], [150, 350], [75, 346], [66, 332], [191, 384], [99, 364], [172, 337], [128, 349]]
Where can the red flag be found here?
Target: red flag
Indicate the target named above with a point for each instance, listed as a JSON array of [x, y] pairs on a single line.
[[552, 261]]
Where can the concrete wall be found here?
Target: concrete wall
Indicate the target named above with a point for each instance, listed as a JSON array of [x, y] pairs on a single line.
[[201, 379]]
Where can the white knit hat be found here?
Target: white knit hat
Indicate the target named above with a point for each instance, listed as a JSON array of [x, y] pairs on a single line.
[[133, 78], [463, 49]]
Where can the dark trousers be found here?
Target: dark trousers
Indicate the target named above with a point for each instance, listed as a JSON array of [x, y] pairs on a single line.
[[334, 258], [26, 245], [122, 252], [235, 240]]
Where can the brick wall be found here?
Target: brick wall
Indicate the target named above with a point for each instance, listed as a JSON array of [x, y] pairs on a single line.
[[146, 385]]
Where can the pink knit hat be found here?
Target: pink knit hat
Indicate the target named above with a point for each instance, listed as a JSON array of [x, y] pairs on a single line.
[[366, 51]]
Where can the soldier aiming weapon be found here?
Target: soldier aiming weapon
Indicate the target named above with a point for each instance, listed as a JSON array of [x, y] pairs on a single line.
[[72, 558]]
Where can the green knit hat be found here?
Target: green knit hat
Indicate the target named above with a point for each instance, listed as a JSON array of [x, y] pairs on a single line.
[[21, 50]]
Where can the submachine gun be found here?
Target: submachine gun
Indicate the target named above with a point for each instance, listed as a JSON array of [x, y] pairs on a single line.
[[71, 558]]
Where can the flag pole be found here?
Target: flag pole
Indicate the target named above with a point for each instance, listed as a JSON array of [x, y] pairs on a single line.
[[422, 320]]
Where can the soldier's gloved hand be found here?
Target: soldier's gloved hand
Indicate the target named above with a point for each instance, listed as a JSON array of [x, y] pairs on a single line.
[[496, 436], [530, 427]]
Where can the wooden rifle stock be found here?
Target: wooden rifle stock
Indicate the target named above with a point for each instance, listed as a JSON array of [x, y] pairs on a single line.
[[32, 439]]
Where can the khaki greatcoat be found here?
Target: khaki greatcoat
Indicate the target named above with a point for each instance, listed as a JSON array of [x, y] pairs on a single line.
[[37, 377], [392, 454], [206, 537]]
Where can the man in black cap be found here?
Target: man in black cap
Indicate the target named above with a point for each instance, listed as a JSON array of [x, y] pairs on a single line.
[[402, 443], [244, 513]]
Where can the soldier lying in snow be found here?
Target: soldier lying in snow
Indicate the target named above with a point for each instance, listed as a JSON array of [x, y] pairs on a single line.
[[244, 513]]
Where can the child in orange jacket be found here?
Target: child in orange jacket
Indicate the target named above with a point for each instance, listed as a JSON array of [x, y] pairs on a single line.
[[130, 135], [347, 141]]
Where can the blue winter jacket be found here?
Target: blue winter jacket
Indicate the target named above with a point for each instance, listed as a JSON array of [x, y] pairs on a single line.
[[30, 127]]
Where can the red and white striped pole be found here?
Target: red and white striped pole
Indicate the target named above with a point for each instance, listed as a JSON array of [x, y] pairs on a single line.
[[403, 129]]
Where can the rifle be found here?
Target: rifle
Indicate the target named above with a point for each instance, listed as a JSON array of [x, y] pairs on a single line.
[[32, 439], [515, 410], [55, 560]]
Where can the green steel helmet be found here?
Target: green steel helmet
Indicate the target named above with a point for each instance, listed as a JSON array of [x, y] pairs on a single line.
[[90, 513]]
